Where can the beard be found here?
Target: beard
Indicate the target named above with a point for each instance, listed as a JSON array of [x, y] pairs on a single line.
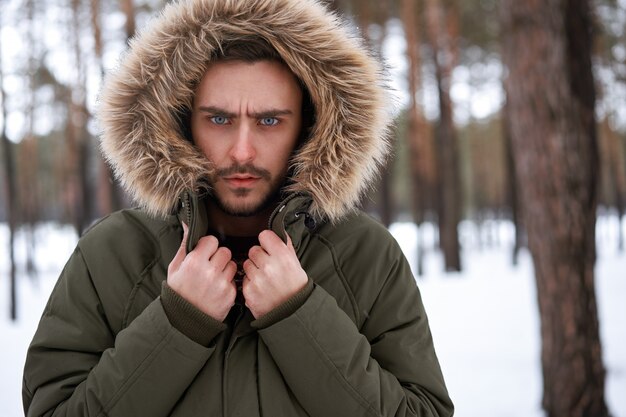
[[238, 209], [248, 210]]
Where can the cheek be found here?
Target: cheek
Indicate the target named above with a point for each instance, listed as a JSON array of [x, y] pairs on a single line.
[[204, 148], [280, 155], [201, 138], [209, 148]]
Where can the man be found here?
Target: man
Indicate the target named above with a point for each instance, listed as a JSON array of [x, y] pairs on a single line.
[[248, 284]]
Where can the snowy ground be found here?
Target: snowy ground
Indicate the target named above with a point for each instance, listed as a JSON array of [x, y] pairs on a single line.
[[484, 320]]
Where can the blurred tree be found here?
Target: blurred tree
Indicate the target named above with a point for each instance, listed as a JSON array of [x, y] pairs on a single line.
[[550, 87], [128, 8], [484, 175], [613, 174], [381, 14], [108, 192], [11, 190], [367, 15], [512, 193], [443, 29], [417, 134], [28, 161], [81, 189], [610, 63]]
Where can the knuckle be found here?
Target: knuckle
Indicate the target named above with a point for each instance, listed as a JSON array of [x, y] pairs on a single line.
[[213, 270], [221, 286]]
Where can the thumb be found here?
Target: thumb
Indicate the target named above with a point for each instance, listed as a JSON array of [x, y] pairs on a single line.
[[182, 250]]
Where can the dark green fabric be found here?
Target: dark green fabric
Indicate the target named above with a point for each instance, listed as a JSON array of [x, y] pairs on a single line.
[[357, 344], [193, 323], [286, 309]]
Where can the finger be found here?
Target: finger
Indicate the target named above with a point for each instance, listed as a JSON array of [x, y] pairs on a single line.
[[220, 258], [249, 268], [230, 270], [246, 285], [182, 251], [257, 255], [207, 246], [270, 241]]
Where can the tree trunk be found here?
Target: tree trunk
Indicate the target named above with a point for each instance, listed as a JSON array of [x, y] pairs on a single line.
[[12, 198], [78, 116], [417, 129], [442, 40], [128, 8], [381, 202], [386, 206], [551, 92], [108, 192], [512, 188], [617, 175], [28, 160]]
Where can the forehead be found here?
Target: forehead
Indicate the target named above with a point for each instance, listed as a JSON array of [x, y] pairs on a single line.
[[267, 83]]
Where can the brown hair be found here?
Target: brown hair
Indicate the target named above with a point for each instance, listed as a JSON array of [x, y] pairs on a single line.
[[247, 49]]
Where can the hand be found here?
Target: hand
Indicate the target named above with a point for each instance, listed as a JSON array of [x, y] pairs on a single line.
[[273, 274], [204, 276]]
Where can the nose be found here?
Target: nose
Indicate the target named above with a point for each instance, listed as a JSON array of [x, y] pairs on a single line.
[[243, 150]]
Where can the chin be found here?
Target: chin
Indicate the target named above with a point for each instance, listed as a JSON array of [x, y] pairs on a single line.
[[247, 202], [243, 208]]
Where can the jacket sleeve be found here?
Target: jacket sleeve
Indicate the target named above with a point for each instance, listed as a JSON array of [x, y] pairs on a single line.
[[386, 368], [76, 365]]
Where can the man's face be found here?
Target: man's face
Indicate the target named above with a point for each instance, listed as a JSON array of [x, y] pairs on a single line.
[[246, 119]]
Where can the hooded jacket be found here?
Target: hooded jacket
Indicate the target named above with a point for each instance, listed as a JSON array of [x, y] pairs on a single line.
[[358, 344]]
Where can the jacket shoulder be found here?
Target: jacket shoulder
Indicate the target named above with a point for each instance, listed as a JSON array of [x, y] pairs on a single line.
[[367, 257], [126, 255], [359, 234], [127, 234]]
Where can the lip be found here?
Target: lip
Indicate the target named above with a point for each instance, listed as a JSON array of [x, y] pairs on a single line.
[[241, 182]]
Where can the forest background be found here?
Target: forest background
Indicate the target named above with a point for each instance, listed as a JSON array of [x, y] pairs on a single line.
[[472, 81]]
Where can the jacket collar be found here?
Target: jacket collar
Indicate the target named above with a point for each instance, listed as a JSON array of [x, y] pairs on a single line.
[[291, 217]]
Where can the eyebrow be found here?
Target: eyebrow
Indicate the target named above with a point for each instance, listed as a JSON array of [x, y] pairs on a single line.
[[256, 115]]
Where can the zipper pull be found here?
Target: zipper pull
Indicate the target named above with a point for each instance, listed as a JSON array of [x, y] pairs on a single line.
[[195, 217]]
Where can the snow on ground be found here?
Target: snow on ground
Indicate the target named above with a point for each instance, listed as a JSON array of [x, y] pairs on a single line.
[[484, 320]]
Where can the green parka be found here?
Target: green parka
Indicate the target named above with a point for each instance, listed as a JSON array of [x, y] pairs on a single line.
[[358, 344]]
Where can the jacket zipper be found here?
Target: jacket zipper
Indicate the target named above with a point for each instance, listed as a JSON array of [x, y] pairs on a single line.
[[278, 210], [187, 207]]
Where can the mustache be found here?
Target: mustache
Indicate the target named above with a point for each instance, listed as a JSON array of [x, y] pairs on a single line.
[[244, 169]]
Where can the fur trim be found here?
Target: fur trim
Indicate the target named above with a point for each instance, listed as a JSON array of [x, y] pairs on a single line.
[[141, 137]]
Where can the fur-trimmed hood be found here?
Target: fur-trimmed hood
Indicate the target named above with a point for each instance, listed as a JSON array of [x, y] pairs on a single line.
[[141, 101]]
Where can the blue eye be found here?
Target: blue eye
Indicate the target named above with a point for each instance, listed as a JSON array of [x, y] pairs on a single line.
[[219, 120], [269, 121]]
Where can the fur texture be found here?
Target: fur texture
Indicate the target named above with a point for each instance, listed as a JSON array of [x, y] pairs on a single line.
[[141, 137]]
